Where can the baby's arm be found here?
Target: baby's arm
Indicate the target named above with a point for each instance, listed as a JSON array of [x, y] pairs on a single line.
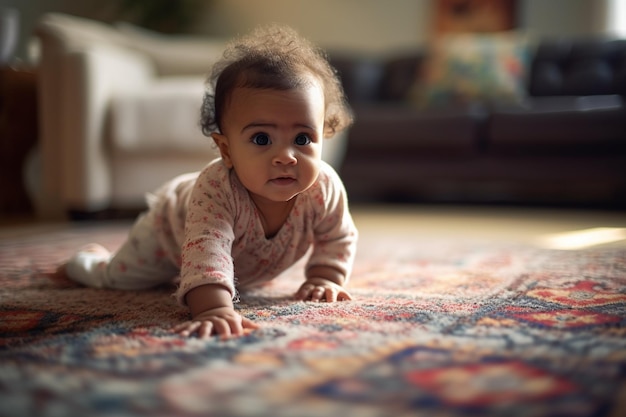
[[330, 264], [211, 307], [323, 283]]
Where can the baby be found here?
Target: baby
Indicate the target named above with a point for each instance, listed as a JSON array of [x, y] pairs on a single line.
[[252, 213]]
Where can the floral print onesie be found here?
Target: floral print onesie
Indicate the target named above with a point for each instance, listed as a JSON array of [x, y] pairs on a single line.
[[206, 227]]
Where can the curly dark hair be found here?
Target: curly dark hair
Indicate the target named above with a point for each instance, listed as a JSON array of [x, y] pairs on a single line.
[[273, 57]]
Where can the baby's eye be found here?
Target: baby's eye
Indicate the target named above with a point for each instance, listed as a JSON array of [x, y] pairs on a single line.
[[261, 139], [302, 139]]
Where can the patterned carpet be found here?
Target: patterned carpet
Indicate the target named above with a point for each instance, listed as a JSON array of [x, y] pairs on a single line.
[[438, 327]]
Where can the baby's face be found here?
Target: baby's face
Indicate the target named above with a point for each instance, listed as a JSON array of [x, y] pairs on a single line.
[[273, 140]]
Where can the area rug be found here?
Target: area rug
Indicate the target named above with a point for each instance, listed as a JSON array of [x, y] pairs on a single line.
[[442, 327]]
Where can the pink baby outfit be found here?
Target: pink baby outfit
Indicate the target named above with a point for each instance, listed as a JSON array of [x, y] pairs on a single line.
[[207, 227]]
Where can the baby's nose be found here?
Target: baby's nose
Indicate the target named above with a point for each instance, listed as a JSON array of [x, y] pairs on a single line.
[[285, 156]]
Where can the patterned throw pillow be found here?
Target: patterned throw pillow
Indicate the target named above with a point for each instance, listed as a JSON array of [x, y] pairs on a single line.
[[462, 68]]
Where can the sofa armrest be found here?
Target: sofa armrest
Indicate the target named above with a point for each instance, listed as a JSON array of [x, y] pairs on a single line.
[[76, 86]]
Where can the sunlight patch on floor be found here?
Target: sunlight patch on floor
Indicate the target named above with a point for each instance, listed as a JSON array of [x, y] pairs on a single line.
[[581, 239]]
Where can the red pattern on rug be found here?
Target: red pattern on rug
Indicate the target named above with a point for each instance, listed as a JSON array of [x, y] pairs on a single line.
[[436, 328]]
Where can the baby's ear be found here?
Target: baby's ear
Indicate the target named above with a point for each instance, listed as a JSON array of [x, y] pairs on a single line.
[[222, 143]]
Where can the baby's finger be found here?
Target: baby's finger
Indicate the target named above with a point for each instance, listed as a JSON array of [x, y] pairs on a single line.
[[205, 329], [304, 293], [235, 326], [177, 328], [344, 296], [331, 295], [249, 324], [317, 294], [222, 328], [186, 328]]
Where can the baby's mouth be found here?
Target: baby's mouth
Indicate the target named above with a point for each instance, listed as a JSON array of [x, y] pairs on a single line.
[[283, 180]]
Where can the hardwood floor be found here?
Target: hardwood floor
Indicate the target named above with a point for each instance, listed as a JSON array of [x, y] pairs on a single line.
[[549, 227]]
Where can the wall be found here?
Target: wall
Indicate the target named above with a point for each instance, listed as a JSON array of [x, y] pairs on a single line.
[[374, 26], [362, 25], [560, 17], [378, 26]]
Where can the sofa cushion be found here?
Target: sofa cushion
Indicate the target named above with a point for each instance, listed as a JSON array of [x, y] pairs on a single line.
[[400, 130], [171, 55], [174, 55], [163, 117], [72, 32], [466, 67], [579, 67], [562, 125]]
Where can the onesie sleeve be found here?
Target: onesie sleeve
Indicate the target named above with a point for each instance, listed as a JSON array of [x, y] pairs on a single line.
[[209, 233], [335, 233]]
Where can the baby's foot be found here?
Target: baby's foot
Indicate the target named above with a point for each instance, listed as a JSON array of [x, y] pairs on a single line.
[[61, 271], [86, 266], [95, 249]]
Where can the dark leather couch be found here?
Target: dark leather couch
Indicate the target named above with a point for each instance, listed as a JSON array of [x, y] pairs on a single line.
[[566, 144]]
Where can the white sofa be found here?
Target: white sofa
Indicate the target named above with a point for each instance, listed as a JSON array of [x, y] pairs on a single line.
[[119, 111]]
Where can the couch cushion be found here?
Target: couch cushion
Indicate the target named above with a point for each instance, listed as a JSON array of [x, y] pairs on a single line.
[[72, 32], [401, 129], [174, 54], [171, 55], [563, 125], [466, 67], [579, 67], [163, 117]]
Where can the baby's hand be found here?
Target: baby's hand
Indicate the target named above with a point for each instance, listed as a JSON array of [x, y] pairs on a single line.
[[223, 321], [320, 289]]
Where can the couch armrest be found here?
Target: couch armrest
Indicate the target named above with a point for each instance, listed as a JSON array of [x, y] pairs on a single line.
[[76, 85], [83, 63]]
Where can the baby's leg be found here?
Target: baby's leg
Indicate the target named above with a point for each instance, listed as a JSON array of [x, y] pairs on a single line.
[[139, 264]]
